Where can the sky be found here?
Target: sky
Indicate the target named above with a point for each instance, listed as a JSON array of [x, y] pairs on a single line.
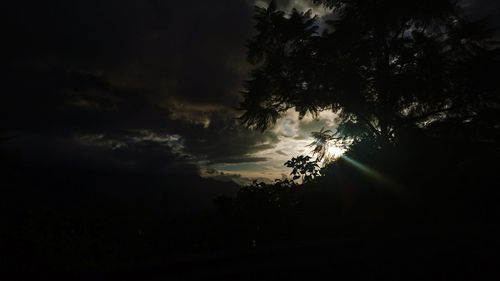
[[149, 86]]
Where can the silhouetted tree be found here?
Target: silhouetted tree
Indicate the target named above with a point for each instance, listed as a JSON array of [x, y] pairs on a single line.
[[386, 67], [303, 168]]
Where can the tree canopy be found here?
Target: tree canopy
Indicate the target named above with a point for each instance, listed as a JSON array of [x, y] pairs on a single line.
[[385, 67]]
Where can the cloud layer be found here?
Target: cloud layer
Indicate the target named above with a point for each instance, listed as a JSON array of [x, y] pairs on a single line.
[[145, 86]]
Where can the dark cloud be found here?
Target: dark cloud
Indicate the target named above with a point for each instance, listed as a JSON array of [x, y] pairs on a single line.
[[112, 67], [117, 69], [66, 102], [234, 178], [224, 140], [281, 153], [236, 160], [100, 172], [100, 153], [188, 51]]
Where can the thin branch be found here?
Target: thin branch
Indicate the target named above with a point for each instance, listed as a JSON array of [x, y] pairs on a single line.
[[369, 123], [429, 114]]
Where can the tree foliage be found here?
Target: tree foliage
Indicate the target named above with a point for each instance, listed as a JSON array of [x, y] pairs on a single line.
[[384, 66], [303, 168]]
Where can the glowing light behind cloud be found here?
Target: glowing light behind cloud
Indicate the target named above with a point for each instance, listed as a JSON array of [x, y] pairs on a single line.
[[294, 137]]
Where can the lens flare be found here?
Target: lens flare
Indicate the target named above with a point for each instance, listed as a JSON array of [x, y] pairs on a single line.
[[372, 173]]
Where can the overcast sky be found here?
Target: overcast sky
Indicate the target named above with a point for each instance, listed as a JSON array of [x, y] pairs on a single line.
[[148, 86]]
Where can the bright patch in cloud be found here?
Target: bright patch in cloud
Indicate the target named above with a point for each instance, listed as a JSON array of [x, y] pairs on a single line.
[[294, 138]]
